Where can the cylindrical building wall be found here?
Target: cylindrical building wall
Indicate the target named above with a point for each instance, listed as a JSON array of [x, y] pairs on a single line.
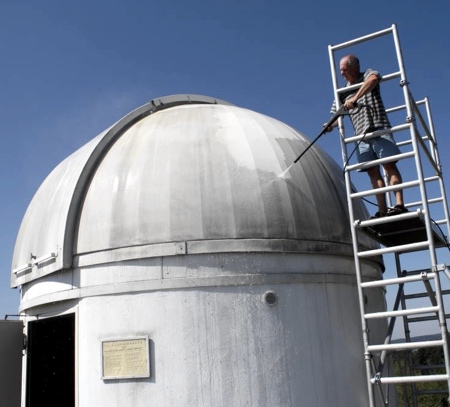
[[283, 338]]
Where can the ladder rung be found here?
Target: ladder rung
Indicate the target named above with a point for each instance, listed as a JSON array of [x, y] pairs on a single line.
[[411, 379], [403, 185], [419, 213], [426, 318], [423, 295], [408, 279], [416, 296], [434, 391], [429, 201], [378, 133], [401, 248], [379, 161], [413, 311], [429, 367], [406, 345], [418, 271]]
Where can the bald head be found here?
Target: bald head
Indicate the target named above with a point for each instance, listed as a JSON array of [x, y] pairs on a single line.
[[349, 67]]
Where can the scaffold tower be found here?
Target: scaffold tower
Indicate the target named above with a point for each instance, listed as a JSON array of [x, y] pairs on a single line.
[[419, 294]]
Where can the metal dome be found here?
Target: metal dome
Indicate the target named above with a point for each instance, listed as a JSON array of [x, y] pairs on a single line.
[[184, 174]]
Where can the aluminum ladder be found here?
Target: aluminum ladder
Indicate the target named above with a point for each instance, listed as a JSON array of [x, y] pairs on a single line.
[[415, 232]]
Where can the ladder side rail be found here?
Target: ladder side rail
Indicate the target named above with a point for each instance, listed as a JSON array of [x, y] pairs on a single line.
[[338, 104], [431, 128], [423, 194], [399, 144], [419, 169], [384, 400], [429, 154], [358, 271], [441, 181], [432, 251], [389, 196], [408, 359], [410, 117], [444, 201], [390, 330], [442, 322], [428, 134]]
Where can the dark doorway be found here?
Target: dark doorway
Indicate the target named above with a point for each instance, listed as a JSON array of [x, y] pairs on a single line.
[[51, 362]]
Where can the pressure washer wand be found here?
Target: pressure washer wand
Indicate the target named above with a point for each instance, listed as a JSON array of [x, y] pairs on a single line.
[[341, 112]]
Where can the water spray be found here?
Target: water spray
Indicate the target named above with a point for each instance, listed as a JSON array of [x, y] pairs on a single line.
[[342, 111]]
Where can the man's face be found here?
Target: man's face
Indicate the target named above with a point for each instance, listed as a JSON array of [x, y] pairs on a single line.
[[350, 74]]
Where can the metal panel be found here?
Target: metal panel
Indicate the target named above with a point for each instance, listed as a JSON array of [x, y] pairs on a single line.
[[11, 346]]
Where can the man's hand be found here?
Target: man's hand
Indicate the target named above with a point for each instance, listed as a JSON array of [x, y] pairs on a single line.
[[329, 129], [350, 103]]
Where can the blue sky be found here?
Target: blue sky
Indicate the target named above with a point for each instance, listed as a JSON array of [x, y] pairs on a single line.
[[71, 69]]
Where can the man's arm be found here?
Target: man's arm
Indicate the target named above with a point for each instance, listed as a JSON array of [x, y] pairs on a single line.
[[372, 81]]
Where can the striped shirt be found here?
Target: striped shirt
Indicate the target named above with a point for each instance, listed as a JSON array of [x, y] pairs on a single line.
[[372, 115]]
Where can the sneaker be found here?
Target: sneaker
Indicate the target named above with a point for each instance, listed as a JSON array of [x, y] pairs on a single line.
[[379, 214], [397, 210]]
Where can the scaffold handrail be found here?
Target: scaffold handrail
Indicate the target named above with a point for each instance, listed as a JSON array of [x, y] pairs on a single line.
[[362, 39]]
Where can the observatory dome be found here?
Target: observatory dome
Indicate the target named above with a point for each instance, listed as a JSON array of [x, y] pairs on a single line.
[[185, 175], [185, 228]]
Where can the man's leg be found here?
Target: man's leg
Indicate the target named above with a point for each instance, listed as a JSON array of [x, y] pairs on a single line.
[[394, 178], [377, 182]]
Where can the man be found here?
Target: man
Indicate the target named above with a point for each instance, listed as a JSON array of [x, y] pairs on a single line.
[[370, 117]]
